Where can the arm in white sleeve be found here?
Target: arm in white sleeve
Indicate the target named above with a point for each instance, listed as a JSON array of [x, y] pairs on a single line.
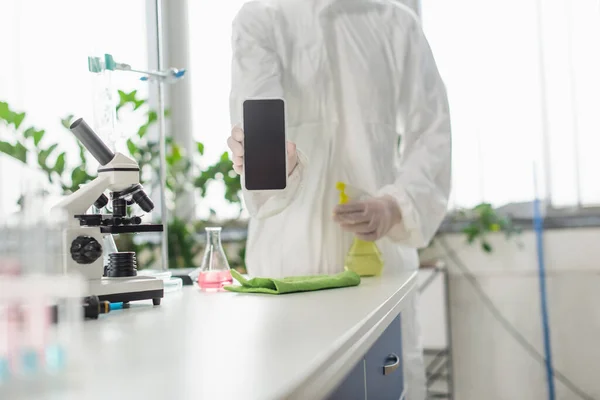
[[422, 186], [256, 73]]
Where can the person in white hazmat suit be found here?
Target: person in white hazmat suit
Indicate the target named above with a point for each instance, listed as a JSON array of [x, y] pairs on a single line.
[[355, 75]]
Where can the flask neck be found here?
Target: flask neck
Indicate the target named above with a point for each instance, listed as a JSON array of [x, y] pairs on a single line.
[[213, 237]]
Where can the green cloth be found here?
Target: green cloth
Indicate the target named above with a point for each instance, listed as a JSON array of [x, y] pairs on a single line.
[[293, 284]]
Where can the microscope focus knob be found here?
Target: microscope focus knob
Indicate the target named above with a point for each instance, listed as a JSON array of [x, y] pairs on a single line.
[[85, 250]]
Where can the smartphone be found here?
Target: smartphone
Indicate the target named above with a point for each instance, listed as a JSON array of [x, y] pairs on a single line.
[[265, 154]]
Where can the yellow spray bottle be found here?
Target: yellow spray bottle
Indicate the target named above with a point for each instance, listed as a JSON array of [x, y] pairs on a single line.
[[364, 258]]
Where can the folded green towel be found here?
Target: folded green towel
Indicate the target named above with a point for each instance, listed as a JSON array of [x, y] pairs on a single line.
[[293, 284]]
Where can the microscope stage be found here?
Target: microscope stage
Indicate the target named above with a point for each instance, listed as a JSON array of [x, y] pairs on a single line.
[[131, 228], [132, 288]]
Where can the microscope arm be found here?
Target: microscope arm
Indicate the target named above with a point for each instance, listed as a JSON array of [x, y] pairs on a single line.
[[79, 202]]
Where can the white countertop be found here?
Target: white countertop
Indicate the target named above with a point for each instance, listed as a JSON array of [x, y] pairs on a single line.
[[199, 345]]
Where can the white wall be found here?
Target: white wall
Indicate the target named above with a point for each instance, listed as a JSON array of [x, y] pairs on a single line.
[[488, 362]]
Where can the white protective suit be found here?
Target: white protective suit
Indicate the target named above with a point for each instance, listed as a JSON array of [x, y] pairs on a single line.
[[356, 75]]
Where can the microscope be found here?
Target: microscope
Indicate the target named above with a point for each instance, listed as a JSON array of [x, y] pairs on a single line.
[[84, 234]]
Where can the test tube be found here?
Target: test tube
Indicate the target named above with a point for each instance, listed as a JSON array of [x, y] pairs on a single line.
[[4, 364], [65, 347], [32, 280], [9, 268], [12, 309], [12, 236], [104, 106], [28, 325], [36, 321]]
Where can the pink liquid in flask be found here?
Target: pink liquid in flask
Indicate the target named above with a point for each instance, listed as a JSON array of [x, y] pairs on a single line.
[[214, 280]]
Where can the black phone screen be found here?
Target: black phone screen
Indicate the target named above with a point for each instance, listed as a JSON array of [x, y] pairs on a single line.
[[264, 145]]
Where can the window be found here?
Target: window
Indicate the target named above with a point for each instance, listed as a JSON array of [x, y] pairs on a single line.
[[210, 68], [522, 79], [44, 72]]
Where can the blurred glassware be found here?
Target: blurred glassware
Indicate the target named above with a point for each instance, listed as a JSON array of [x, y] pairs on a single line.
[[214, 273]]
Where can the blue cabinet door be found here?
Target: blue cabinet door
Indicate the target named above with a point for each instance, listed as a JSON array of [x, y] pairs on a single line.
[[384, 372], [353, 387]]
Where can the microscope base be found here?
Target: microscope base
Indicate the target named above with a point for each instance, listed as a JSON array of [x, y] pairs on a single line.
[[133, 288]]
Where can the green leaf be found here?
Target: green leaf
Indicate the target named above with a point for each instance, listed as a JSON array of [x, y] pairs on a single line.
[[59, 166], [142, 131], [482, 207], [66, 121], [225, 156], [201, 182], [20, 152], [82, 157], [472, 231], [138, 103], [44, 154], [125, 97], [17, 150], [18, 119], [200, 148], [78, 177], [35, 134], [176, 153], [486, 246], [9, 116], [51, 148], [28, 132], [129, 98], [131, 147], [152, 116], [5, 113], [7, 148]]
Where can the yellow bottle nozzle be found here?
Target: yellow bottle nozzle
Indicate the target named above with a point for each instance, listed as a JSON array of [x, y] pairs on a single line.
[[341, 186]]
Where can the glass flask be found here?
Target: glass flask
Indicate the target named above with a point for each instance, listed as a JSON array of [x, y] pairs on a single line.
[[214, 272]]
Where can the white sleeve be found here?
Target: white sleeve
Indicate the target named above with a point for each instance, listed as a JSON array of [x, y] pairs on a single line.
[[256, 73], [422, 186]]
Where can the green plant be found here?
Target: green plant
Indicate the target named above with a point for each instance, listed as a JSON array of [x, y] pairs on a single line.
[[179, 165], [222, 170], [184, 172], [483, 220], [29, 144]]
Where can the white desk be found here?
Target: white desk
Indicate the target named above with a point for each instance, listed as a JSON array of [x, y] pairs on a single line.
[[200, 345]]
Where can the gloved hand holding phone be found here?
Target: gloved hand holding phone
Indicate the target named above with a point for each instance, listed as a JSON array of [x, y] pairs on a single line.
[[236, 145]]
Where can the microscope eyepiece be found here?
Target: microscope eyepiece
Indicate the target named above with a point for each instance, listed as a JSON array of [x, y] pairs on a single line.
[[142, 199], [91, 141]]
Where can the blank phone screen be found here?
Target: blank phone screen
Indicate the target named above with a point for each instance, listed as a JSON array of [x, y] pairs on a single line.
[[264, 145]]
